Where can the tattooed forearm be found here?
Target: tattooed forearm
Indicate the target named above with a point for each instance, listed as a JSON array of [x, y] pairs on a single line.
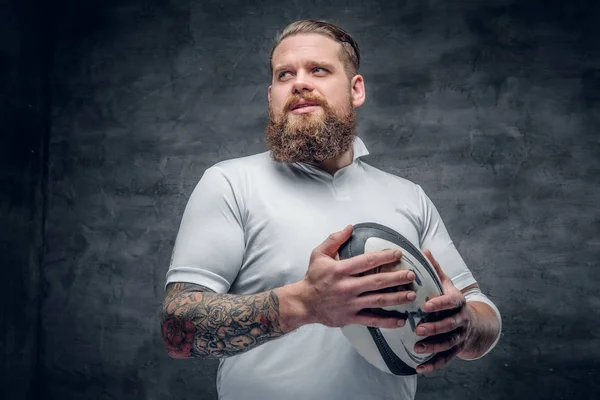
[[199, 323]]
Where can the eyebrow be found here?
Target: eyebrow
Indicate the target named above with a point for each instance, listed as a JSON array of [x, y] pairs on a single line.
[[324, 64]]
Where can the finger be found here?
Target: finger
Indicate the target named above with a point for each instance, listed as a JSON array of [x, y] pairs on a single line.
[[389, 267], [441, 343], [444, 325], [379, 300], [367, 318], [451, 301], [364, 262], [442, 275], [332, 244], [383, 280], [439, 360]]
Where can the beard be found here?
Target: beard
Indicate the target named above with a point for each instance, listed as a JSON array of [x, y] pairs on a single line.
[[311, 137]]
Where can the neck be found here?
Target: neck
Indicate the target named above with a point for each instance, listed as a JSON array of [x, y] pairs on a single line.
[[335, 164]]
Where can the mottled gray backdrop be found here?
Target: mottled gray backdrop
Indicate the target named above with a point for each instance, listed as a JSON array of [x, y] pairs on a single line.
[[112, 110]]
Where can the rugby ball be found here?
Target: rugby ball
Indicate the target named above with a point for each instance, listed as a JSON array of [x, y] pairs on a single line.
[[392, 350]]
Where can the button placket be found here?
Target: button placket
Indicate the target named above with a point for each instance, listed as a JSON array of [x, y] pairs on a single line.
[[340, 187]]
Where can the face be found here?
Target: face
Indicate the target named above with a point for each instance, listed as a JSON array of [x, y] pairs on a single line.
[[311, 101]]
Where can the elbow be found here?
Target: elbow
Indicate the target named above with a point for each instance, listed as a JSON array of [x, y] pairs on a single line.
[[178, 337], [176, 352], [177, 355]]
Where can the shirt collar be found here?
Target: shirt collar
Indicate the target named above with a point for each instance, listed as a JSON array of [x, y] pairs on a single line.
[[360, 149]]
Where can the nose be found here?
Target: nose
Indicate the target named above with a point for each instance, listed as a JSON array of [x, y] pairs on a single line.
[[302, 84]]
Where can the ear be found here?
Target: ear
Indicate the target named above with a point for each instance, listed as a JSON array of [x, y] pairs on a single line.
[[357, 87], [269, 93]]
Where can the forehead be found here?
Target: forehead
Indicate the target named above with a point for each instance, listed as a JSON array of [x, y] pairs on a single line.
[[303, 47]]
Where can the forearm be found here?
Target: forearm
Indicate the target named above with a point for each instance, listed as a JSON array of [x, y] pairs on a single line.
[[212, 325], [484, 331]]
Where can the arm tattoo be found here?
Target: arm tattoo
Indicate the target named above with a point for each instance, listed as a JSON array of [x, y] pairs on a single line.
[[200, 323]]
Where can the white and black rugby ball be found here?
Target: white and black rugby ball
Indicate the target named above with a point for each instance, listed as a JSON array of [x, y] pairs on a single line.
[[392, 350]]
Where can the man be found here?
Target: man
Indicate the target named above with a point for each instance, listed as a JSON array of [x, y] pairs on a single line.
[[251, 280]]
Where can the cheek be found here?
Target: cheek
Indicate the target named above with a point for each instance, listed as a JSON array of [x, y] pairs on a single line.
[[278, 99], [341, 104], [274, 104], [339, 99], [275, 111], [277, 107]]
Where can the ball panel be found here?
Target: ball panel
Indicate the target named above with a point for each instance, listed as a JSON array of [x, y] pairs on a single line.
[[363, 342]]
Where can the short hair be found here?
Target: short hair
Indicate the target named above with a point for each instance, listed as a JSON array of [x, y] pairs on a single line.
[[349, 54]]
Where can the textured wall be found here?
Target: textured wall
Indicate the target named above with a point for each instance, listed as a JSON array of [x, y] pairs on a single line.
[[493, 107], [23, 133]]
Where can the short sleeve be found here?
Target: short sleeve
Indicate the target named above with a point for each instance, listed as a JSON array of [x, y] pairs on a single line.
[[209, 247], [434, 236]]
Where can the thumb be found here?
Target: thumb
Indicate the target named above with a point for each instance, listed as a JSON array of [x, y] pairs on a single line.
[[332, 244], [436, 265]]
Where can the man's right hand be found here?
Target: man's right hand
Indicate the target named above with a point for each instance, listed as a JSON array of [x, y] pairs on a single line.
[[334, 295]]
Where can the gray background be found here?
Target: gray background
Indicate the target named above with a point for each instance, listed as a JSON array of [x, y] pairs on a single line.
[[111, 112]]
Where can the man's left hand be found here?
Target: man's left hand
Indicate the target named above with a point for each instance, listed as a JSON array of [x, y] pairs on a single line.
[[446, 336]]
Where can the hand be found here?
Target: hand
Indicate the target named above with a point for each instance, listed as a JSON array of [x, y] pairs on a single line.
[[446, 336], [334, 294]]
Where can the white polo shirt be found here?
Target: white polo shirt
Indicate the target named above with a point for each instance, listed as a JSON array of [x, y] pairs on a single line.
[[251, 224]]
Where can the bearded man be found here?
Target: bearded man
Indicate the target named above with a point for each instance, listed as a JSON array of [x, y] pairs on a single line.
[[254, 280]]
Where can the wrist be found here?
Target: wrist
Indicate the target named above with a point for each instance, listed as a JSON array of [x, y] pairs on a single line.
[[482, 332], [472, 334], [293, 310]]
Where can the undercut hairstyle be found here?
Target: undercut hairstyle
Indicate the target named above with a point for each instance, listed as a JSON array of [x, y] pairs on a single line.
[[349, 54]]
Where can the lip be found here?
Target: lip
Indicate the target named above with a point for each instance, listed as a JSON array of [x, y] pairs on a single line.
[[304, 110], [305, 103]]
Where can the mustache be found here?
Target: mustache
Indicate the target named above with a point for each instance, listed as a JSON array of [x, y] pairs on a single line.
[[308, 97]]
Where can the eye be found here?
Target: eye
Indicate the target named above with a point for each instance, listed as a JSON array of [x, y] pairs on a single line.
[[319, 70], [282, 75]]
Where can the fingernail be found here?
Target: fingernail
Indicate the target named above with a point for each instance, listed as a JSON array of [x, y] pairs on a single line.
[[421, 331], [401, 322], [398, 254], [411, 296], [420, 369], [411, 275], [420, 348]]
